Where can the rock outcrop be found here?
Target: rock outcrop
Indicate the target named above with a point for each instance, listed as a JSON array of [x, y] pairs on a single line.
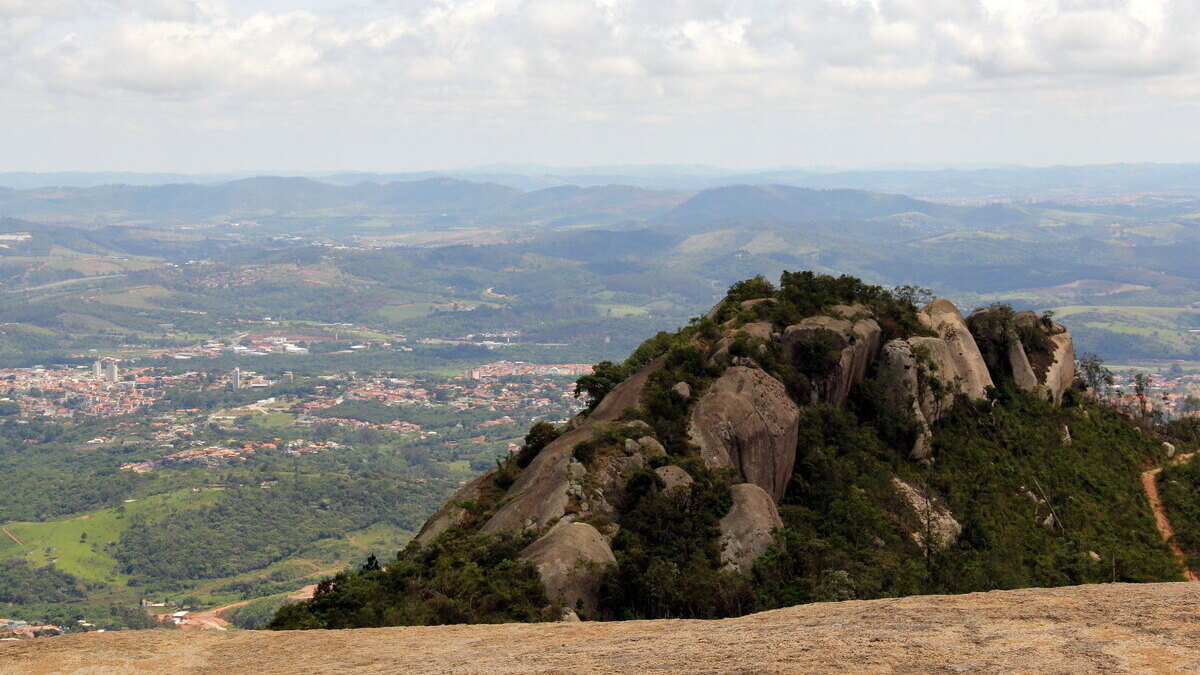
[[746, 532], [930, 523], [673, 477], [452, 514], [1060, 375], [1044, 361], [540, 496], [760, 329], [943, 318], [853, 333], [571, 559], [904, 373], [747, 421], [935, 371], [743, 422], [1019, 366]]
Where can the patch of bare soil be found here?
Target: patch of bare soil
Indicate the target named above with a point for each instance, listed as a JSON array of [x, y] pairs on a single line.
[[1161, 521], [1112, 628]]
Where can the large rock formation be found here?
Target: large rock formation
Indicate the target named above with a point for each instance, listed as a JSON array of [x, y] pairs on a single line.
[[935, 371], [746, 530], [673, 477], [571, 559], [742, 420], [907, 369], [747, 421], [854, 333], [1019, 366], [1044, 361], [1060, 375], [541, 495], [944, 319]]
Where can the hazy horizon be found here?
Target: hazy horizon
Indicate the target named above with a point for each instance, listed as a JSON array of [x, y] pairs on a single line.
[[649, 169]]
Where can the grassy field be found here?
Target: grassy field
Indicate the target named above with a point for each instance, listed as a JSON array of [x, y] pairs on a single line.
[[405, 312], [63, 542], [1165, 315], [1166, 324], [621, 311], [135, 298]]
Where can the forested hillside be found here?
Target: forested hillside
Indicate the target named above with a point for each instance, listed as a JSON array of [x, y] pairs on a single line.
[[823, 440]]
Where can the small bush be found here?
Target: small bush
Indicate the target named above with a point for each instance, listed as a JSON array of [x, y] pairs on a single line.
[[540, 435]]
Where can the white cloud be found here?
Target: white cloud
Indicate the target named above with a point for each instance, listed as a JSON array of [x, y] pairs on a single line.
[[592, 60]]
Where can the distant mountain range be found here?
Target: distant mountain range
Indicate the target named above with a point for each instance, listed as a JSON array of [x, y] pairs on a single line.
[[455, 202], [450, 197], [962, 182], [282, 196]]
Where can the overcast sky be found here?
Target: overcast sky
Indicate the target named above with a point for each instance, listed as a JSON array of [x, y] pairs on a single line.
[[386, 85]]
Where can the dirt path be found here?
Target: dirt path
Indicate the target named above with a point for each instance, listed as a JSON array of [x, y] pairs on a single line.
[[305, 593], [66, 282], [1150, 484], [211, 618], [12, 536], [1108, 628]]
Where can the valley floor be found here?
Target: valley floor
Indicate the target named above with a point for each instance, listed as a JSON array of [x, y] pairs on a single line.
[[1103, 628]]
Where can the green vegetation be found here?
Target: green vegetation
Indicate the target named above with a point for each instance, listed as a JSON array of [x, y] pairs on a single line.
[[1003, 470], [256, 614], [265, 526], [1179, 487], [24, 584], [252, 527], [461, 578], [1034, 509], [668, 559]]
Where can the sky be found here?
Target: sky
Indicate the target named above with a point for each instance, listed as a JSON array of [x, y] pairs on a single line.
[[401, 85]]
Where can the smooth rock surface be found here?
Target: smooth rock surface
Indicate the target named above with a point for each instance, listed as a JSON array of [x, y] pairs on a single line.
[[451, 515], [901, 368], [1105, 628], [570, 560], [943, 318], [1018, 363], [1061, 374], [746, 420], [539, 496], [746, 530], [673, 476]]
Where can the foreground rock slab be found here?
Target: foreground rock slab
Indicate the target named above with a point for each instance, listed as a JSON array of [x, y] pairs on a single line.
[[1112, 628]]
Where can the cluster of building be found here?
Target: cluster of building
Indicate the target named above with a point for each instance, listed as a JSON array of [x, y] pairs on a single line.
[[17, 629], [489, 340], [521, 369], [481, 390], [310, 447], [102, 390], [1165, 391], [10, 239], [247, 347], [205, 457]]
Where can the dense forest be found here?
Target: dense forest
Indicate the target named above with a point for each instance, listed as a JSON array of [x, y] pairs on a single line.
[[252, 527]]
